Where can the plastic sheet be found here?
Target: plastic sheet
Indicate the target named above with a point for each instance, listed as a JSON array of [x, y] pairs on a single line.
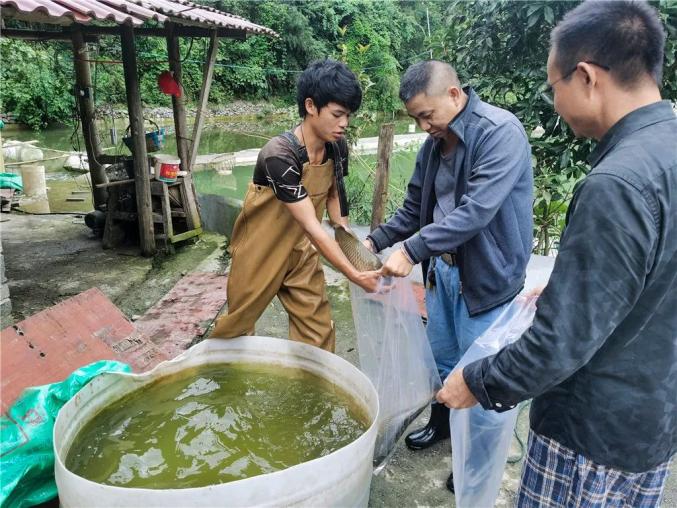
[[27, 451], [395, 355], [480, 440]]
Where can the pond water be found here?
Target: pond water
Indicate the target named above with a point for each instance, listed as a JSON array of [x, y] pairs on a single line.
[[235, 184], [65, 188], [215, 424]]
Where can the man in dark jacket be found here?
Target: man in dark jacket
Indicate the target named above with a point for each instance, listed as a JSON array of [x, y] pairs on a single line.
[[467, 217], [600, 359]]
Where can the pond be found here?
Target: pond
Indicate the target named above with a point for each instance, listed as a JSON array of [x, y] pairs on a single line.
[[221, 135], [235, 184]]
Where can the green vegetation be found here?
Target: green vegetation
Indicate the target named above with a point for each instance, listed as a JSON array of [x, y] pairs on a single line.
[[499, 47]]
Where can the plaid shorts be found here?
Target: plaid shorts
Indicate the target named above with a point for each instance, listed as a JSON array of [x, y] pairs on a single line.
[[555, 476]]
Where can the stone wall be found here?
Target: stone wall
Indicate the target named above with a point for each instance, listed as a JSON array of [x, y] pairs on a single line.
[[5, 302]]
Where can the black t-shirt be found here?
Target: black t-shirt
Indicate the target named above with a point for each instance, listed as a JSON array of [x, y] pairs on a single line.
[[280, 167]]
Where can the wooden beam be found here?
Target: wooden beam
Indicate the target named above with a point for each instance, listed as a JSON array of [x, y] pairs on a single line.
[[141, 171], [91, 33], [116, 184], [187, 191], [179, 31], [385, 150], [85, 97], [208, 74], [186, 235], [178, 103], [44, 35]]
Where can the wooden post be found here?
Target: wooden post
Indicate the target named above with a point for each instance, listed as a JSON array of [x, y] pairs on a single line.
[[178, 103], [84, 96], [385, 150], [141, 171], [204, 96]]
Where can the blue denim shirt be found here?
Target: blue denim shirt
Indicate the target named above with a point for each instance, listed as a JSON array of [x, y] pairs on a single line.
[[491, 227], [600, 359]]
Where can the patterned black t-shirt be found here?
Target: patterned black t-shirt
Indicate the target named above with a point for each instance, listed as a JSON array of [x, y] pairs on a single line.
[[280, 167]]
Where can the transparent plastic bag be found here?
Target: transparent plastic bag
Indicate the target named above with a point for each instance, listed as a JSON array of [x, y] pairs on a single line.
[[480, 440], [395, 355]]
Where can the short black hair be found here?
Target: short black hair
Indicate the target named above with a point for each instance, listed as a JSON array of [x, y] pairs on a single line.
[[625, 35], [418, 77], [327, 81]]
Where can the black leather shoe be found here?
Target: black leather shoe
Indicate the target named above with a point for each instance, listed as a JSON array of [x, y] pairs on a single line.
[[450, 482], [436, 429]]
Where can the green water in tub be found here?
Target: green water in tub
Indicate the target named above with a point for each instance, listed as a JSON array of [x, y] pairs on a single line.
[[214, 424]]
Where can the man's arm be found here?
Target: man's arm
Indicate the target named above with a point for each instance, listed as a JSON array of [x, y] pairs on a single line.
[[606, 252], [503, 157], [304, 213]]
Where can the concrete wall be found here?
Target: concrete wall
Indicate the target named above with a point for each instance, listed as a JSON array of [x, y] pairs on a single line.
[[218, 213]]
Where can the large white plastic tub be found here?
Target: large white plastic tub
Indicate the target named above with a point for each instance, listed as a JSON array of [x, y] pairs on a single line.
[[341, 478]]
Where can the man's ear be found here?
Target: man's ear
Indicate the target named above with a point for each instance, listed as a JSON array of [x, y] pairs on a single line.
[[454, 94], [310, 106], [588, 72]]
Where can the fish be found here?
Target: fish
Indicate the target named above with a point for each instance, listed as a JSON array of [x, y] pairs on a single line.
[[390, 430], [359, 256]]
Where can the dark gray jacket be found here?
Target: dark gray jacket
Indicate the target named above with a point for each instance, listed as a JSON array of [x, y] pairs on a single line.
[[600, 359], [491, 227]]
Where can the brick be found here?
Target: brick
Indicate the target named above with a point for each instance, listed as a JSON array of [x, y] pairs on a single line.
[[48, 346]]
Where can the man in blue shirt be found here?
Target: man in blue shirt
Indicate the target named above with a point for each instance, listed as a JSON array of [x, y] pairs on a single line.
[[466, 217], [600, 359]]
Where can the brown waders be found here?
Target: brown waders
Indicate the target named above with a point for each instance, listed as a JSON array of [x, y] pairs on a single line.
[[271, 256]]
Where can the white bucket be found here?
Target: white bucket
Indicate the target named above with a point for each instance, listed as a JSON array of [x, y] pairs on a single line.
[[341, 478]]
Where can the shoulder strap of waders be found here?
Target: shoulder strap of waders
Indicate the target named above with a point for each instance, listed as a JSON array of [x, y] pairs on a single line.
[[340, 184], [302, 155], [300, 150]]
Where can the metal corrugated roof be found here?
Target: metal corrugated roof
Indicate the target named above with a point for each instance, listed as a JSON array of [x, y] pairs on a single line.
[[42, 11], [134, 12]]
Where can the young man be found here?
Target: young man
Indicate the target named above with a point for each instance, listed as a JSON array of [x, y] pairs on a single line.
[[277, 236], [600, 359], [467, 217]]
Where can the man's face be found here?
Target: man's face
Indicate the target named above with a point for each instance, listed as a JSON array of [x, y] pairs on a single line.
[[572, 98], [330, 122], [434, 112]]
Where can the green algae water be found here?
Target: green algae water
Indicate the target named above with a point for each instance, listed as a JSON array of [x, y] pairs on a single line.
[[214, 424]]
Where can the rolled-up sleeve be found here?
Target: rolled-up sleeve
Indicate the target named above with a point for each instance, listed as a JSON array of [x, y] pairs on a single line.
[[606, 253]]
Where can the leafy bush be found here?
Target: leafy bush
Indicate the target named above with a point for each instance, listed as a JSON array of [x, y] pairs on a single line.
[[33, 83]]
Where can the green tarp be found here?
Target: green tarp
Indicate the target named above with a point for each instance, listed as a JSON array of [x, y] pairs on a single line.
[[26, 451], [11, 181]]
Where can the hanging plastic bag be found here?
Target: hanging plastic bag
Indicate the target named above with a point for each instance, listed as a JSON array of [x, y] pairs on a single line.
[[395, 355], [480, 440], [26, 430]]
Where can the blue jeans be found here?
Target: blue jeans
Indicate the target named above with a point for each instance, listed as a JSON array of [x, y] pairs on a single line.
[[450, 329]]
